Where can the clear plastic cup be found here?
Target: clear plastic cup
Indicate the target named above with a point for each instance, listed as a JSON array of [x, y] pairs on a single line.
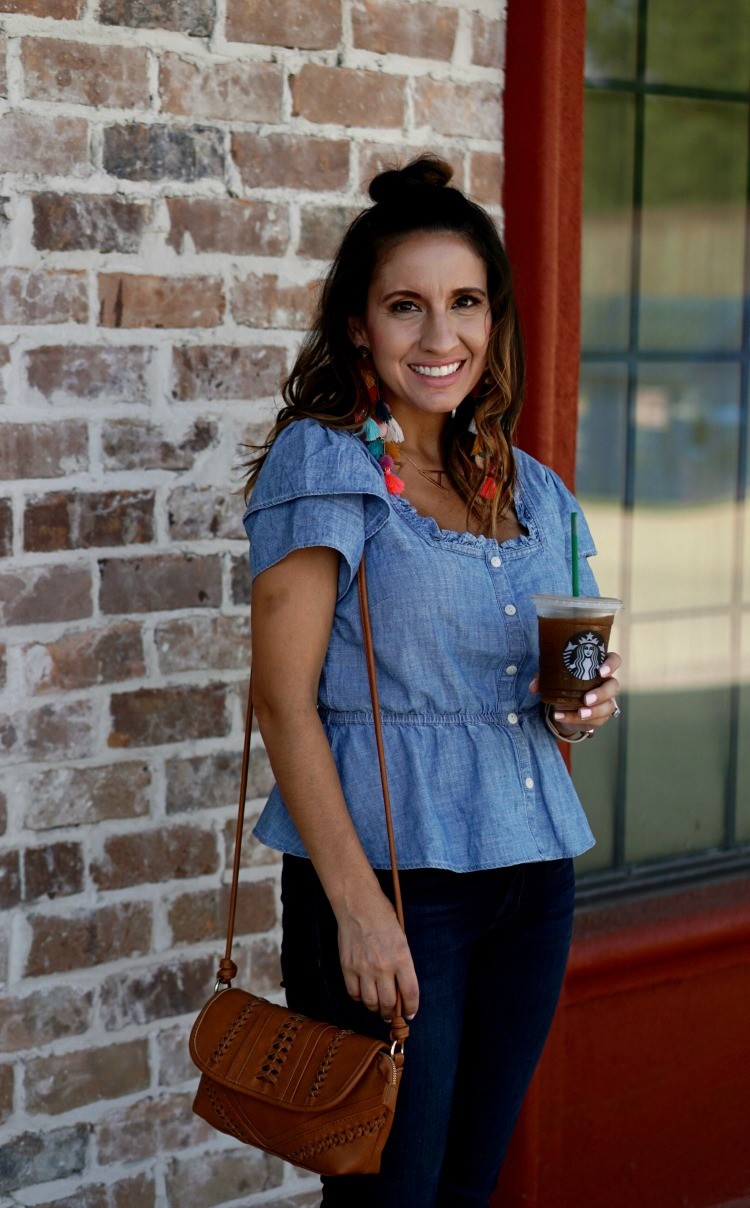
[[573, 643]]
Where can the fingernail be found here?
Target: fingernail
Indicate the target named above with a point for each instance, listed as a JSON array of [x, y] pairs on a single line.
[[558, 716], [590, 698], [410, 1017], [584, 713], [605, 670]]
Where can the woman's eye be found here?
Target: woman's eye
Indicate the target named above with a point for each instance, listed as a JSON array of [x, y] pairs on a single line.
[[466, 300], [405, 306]]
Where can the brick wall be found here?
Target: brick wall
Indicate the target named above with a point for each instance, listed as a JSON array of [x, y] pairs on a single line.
[[174, 175]]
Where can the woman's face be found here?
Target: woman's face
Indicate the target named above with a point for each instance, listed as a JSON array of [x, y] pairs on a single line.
[[428, 321]]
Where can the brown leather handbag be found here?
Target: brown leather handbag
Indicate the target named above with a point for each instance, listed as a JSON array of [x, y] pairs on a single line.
[[316, 1095]]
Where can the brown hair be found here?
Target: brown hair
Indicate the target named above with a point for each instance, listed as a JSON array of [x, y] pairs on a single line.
[[326, 381]]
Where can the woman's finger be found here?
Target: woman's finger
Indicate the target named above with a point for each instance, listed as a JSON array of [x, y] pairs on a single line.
[[353, 989], [369, 993], [612, 663]]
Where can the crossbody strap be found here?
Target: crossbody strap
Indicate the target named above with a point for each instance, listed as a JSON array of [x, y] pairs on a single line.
[[227, 967]]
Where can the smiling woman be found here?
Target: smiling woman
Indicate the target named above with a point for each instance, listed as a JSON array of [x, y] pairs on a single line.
[[397, 436]]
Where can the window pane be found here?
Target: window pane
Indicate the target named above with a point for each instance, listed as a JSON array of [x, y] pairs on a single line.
[[686, 449], [609, 127], [611, 38], [711, 49], [678, 736], [594, 768], [600, 474], [693, 223], [743, 769]]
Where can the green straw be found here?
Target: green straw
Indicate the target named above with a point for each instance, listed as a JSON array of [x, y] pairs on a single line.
[[574, 550]]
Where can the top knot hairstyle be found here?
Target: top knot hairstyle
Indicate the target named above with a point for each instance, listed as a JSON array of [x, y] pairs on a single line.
[[326, 381]]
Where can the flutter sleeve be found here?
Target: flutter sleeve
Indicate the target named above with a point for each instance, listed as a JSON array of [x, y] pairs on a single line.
[[315, 487]]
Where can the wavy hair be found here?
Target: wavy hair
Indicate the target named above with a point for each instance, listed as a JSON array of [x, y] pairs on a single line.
[[326, 382]]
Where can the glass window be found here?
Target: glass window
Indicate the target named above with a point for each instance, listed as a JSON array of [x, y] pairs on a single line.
[[663, 458]]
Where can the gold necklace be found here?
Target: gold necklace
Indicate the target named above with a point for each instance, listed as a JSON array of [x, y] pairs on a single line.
[[426, 473]]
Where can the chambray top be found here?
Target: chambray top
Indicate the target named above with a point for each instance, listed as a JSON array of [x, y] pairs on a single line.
[[476, 779]]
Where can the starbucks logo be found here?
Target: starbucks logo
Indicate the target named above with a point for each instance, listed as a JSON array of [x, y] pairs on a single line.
[[584, 654]]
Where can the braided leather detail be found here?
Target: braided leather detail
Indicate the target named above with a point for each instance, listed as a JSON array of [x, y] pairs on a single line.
[[279, 1050], [327, 1061], [333, 1140], [226, 1119], [230, 1035]]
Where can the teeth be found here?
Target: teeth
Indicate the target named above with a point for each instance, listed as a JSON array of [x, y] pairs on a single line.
[[436, 370]]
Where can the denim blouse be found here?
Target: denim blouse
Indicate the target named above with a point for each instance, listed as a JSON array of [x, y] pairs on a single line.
[[476, 779]]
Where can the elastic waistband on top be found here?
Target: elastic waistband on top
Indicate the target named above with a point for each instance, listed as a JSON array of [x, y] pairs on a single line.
[[390, 717]]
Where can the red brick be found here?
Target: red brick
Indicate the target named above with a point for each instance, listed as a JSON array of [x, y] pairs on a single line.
[[41, 1156], [458, 109], [129, 444], [53, 871], [62, 943], [78, 796], [487, 41], [80, 660], [85, 74], [43, 450], [91, 373], [347, 97], [486, 169], [376, 157], [41, 143], [203, 643], [202, 915], [322, 228], [6, 528], [152, 716], [239, 569], [214, 1178], [61, 1082], [226, 371], [127, 300], [200, 512], [421, 31], [151, 1126], [155, 993], [207, 781], [44, 1016], [36, 595], [285, 23], [10, 879], [264, 973], [156, 151], [240, 228], [6, 1092], [283, 160], [170, 853], [155, 584], [253, 854], [221, 90], [262, 301], [194, 17], [29, 296], [67, 222], [63, 730], [78, 520], [57, 10], [136, 1192]]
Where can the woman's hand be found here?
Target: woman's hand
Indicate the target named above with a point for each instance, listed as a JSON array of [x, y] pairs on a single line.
[[375, 956], [597, 707]]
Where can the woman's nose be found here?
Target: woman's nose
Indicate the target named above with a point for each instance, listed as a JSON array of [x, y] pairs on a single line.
[[438, 334]]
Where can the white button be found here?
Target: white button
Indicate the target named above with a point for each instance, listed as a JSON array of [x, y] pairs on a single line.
[[511, 670], [512, 718], [529, 782], [510, 609], [496, 561]]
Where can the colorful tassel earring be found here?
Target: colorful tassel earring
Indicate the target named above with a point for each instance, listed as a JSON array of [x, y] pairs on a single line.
[[381, 433], [488, 489]]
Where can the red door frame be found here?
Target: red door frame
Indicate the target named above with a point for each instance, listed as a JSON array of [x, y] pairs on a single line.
[[542, 194]]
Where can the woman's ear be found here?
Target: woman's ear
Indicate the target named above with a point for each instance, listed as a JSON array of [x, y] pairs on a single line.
[[357, 334]]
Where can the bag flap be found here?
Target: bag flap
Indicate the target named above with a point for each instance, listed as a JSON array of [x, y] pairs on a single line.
[[250, 1045]]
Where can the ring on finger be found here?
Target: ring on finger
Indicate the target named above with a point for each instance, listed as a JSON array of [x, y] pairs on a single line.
[[616, 710]]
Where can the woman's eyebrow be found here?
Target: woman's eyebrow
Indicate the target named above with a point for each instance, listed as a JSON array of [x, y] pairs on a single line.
[[412, 293]]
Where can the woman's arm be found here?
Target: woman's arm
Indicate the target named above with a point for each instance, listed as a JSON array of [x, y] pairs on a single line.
[[293, 604]]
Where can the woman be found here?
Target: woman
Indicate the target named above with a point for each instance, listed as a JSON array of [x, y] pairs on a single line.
[[397, 434]]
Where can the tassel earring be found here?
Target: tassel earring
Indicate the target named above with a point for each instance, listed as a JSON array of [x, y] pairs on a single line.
[[488, 489], [381, 432]]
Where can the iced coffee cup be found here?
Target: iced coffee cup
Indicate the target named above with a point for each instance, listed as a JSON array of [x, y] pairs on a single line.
[[573, 642]]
